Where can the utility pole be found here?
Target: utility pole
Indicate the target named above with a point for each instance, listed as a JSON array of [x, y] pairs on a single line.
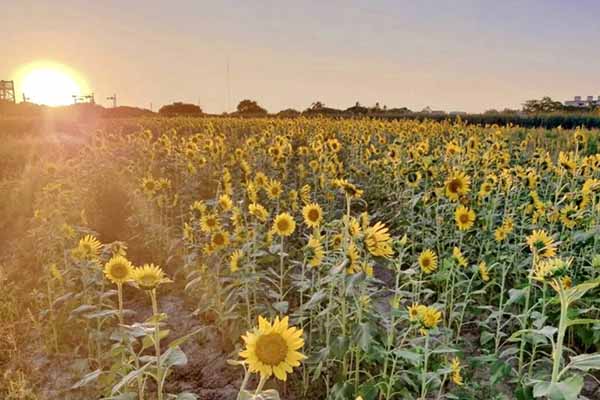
[[7, 91], [113, 98]]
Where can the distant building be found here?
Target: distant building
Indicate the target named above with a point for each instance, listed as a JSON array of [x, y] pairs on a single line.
[[578, 101], [428, 110]]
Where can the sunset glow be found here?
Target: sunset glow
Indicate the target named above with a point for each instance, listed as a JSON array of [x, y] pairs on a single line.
[[50, 84]]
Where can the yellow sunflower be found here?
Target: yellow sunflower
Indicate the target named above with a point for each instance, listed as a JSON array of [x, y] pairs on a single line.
[[272, 348], [219, 239], [464, 217], [149, 276], [235, 259], [457, 185], [284, 224], [541, 243], [378, 240], [209, 222], [428, 261], [118, 270], [274, 189], [313, 215], [317, 253], [225, 202], [258, 211], [88, 248], [568, 216]]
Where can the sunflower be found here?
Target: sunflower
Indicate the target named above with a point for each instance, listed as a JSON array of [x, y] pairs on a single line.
[[225, 202], [484, 272], [336, 240], [568, 216], [464, 217], [378, 240], [428, 261], [219, 239], [349, 188], [459, 257], [317, 253], [456, 368], [272, 348], [284, 224], [258, 211], [541, 243], [485, 189], [457, 185], [234, 260], [413, 179], [274, 189], [149, 185], [313, 215], [353, 259], [425, 316], [209, 222], [118, 270], [149, 276], [88, 248]]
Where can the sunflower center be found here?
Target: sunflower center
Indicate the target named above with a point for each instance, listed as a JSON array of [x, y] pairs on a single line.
[[147, 280], [454, 185], [313, 214], [539, 245], [219, 240], [426, 262], [464, 218], [283, 225], [119, 271], [271, 349]]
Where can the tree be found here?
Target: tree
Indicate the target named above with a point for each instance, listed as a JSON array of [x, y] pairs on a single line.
[[250, 108], [179, 108], [545, 105]]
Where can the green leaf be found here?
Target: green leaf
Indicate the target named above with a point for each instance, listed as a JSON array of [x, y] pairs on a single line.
[[577, 292], [566, 390], [173, 357], [281, 307], [178, 342], [127, 379], [585, 362], [91, 377], [515, 296], [186, 396], [365, 336], [411, 356], [148, 341]]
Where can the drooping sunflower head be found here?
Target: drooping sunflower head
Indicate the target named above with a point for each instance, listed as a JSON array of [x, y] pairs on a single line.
[[88, 248], [225, 202], [464, 217], [428, 261], [378, 240], [313, 215], [235, 260], [457, 185], [118, 270], [273, 348], [149, 276], [258, 211], [284, 224], [541, 243]]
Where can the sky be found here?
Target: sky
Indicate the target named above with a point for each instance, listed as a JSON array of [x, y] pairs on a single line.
[[454, 55]]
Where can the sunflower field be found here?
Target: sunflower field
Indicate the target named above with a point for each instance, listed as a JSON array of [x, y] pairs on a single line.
[[226, 258]]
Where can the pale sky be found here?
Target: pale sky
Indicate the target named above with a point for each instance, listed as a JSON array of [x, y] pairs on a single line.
[[452, 55]]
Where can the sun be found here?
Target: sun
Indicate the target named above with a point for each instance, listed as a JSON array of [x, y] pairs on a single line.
[[50, 83]]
